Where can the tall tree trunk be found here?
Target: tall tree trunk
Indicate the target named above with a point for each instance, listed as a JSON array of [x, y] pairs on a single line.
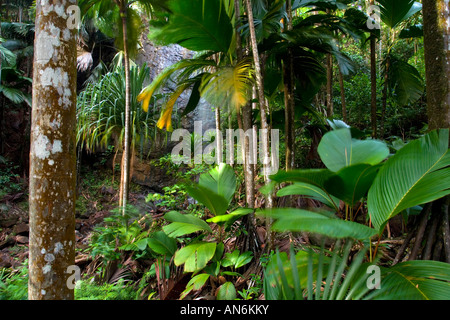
[[244, 120], [248, 155], [436, 37], [373, 85], [343, 101], [436, 30], [264, 110], [52, 187], [125, 172], [219, 138], [329, 85], [384, 98], [289, 102]]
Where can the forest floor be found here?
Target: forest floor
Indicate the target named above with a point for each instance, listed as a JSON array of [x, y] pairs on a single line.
[[97, 199]]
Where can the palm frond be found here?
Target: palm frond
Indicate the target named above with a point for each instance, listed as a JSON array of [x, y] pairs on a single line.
[[230, 85]]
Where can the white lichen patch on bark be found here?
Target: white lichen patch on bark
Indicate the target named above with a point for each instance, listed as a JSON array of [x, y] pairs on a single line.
[[43, 148], [58, 248], [46, 269]]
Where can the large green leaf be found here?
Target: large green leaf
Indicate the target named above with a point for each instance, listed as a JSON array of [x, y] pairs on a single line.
[[215, 189], [221, 180], [195, 256], [338, 149], [196, 283], [288, 219], [316, 177], [160, 243], [197, 25], [351, 183], [405, 81], [418, 173], [312, 191], [227, 291], [217, 204], [415, 280], [231, 217], [183, 224], [395, 11]]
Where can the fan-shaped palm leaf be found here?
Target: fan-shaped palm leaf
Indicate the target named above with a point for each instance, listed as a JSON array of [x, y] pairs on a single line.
[[229, 86], [197, 25]]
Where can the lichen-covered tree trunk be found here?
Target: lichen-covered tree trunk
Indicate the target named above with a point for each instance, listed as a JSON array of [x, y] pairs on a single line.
[[436, 17], [52, 154]]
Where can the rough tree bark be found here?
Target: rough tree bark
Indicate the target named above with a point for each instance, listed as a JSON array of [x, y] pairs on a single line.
[[52, 154], [437, 62], [436, 32]]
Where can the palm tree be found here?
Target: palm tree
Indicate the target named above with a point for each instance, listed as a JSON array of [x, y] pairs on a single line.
[[121, 13], [52, 186], [264, 110]]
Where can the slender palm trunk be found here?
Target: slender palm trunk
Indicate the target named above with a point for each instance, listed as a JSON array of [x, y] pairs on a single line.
[[52, 186], [329, 85], [385, 94], [219, 138], [125, 172], [373, 85], [244, 121], [264, 111], [343, 101], [289, 103]]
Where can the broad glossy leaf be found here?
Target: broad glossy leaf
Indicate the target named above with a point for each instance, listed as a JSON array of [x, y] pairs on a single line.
[[196, 283], [288, 219], [415, 280], [395, 11], [160, 243], [405, 81], [338, 149], [309, 190], [229, 218], [197, 25], [183, 224], [221, 180], [217, 204], [227, 291], [350, 184], [215, 188], [315, 177], [195, 256], [236, 259], [418, 173]]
